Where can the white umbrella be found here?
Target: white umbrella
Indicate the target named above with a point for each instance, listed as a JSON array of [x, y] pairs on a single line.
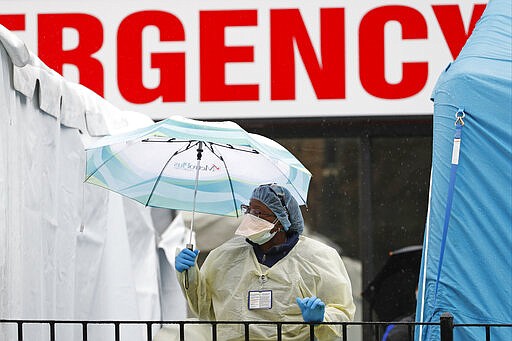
[[191, 165]]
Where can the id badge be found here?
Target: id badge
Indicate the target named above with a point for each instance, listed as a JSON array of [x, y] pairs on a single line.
[[260, 299]]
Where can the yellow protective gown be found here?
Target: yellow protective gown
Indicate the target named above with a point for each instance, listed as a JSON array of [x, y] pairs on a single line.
[[219, 291]]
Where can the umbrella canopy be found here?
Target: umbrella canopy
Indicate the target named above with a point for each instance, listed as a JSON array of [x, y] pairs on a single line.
[[185, 164], [391, 294]]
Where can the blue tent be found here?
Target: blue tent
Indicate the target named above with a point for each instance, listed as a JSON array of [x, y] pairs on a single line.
[[467, 267]]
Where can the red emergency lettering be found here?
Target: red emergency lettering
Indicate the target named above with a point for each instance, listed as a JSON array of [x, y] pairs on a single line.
[[371, 52], [214, 54], [452, 25], [327, 75], [129, 58], [90, 33], [13, 22]]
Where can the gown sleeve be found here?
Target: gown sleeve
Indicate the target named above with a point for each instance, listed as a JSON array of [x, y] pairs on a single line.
[[198, 294], [332, 285]]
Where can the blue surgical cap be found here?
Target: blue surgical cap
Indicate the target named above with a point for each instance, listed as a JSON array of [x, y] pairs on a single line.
[[282, 203]]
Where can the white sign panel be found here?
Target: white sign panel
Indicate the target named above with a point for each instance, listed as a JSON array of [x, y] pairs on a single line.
[[246, 59]]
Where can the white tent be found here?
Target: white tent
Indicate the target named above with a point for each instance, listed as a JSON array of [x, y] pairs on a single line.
[[68, 250]]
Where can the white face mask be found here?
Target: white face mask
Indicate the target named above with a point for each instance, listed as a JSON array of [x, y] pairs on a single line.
[[255, 229]]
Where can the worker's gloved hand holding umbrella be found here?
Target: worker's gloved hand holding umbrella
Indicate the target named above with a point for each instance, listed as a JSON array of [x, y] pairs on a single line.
[[186, 259]]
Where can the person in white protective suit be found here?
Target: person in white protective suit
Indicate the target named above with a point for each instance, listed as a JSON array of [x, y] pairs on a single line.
[[269, 272]]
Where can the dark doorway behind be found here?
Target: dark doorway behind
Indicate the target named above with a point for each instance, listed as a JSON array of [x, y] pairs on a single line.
[[369, 190]]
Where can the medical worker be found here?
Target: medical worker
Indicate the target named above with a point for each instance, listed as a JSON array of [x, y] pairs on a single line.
[[269, 272]]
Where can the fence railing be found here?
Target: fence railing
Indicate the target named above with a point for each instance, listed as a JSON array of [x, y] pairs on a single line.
[[17, 327]]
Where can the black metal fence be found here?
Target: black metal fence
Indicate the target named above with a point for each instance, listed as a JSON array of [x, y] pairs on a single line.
[[445, 325]]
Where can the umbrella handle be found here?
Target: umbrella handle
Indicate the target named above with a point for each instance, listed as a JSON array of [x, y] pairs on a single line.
[[190, 247]]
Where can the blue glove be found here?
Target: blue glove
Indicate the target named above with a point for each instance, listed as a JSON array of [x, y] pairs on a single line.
[[312, 308], [185, 259]]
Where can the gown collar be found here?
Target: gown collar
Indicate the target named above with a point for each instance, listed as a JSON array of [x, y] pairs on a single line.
[[276, 252]]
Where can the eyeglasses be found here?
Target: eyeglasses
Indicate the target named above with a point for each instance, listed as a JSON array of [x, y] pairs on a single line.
[[246, 209]]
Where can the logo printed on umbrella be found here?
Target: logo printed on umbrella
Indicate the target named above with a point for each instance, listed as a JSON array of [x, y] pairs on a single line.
[[190, 167]]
